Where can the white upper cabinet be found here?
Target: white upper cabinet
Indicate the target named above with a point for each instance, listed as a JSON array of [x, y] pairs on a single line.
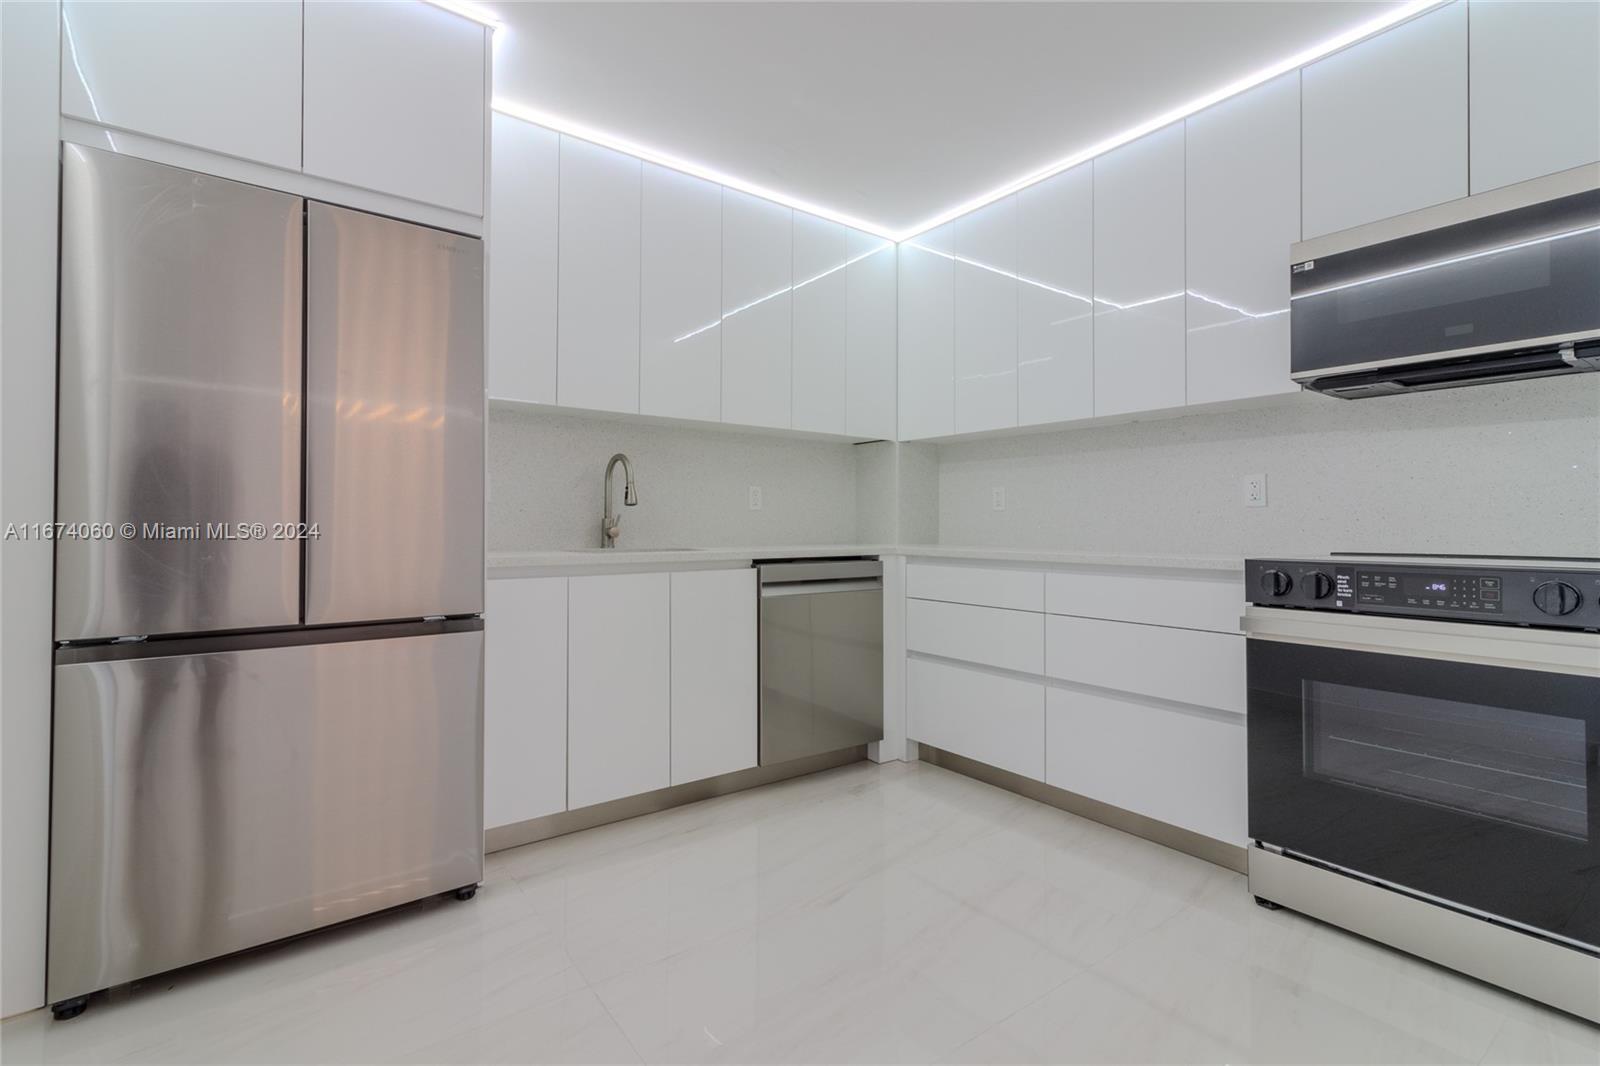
[[395, 100], [1055, 305], [524, 700], [1242, 159], [986, 317], [870, 337], [821, 298], [1385, 123], [927, 331], [598, 287], [522, 261], [1535, 94], [223, 77], [756, 280], [1138, 275], [680, 294]]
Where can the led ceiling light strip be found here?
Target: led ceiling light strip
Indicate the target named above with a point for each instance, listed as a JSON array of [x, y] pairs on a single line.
[[562, 124], [584, 132], [481, 16], [1182, 111]]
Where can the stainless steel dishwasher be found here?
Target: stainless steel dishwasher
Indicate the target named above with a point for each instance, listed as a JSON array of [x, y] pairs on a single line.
[[821, 656]]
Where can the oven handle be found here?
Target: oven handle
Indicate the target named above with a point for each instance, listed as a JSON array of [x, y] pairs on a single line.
[[1516, 647]]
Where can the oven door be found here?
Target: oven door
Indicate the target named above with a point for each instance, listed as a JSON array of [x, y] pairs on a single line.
[[1453, 760]]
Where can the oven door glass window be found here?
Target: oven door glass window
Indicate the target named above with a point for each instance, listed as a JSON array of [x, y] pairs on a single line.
[[1494, 763]]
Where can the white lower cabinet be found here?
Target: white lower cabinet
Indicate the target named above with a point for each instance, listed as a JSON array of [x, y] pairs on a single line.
[[524, 700], [993, 719], [1181, 665], [713, 673], [1183, 768], [1009, 640], [619, 677]]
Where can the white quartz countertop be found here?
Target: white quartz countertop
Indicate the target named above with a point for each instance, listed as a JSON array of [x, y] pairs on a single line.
[[597, 560]]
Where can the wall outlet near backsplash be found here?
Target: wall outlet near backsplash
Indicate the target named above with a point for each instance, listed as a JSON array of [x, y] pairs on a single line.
[[1253, 488], [997, 498], [755, 497]]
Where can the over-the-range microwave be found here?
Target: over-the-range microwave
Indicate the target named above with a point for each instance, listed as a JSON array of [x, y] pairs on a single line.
[[1493, 287]]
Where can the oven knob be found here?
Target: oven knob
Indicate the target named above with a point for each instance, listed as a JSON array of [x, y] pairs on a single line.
[[1276, 583], [1321, 585], [1557, 597]]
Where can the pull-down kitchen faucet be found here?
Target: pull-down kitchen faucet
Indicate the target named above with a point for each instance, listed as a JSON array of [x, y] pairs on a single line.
[[611, 525]]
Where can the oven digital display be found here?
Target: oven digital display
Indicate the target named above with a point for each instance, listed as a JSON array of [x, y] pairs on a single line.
[[1431, 592]]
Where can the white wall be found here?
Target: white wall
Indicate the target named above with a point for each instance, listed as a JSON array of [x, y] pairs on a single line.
[[547, 468], [29, 83], [1512, 468], [897, 493]]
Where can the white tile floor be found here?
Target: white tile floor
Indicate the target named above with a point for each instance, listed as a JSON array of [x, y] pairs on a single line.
[[869, 914]]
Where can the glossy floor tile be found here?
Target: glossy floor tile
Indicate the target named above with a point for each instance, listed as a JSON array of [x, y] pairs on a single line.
[[900, 913]]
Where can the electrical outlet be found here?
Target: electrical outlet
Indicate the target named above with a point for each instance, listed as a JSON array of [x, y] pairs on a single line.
[[998, 499], [755, 497], [1254, 489]]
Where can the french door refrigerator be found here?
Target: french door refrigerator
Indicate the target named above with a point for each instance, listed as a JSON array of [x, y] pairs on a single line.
[[269, 587]]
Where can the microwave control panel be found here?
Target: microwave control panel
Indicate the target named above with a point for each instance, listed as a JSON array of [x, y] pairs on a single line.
[[1557, 597]]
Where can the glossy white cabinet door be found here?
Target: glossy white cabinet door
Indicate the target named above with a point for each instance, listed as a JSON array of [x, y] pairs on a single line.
[[1385, 124], [524, 699], [397, 100], [1055, 304], [1181, 767], [927, 333], [224, 77], [870, 338], [619, 678], [598, 291], [1138, 275], [1242, 159], [820, 334], [986, 317], [714, 661], [1535, 92], [756, 303], [521, 248], [984, 716], [680, 296]]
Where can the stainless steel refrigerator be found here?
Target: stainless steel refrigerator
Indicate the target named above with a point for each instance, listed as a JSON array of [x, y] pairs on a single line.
[[269, 646]]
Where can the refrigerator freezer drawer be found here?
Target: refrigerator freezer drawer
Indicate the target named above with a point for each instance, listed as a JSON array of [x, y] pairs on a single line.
[[207, 803], [180, 398], [394, 419]]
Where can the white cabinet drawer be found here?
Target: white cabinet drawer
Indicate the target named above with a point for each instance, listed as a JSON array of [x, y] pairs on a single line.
[[1020, 590], [1011, 640], [1182, 768], [995, 720], [1203, 600], [1205, 669]]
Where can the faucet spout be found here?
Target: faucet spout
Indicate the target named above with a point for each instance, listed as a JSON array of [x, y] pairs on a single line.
[[610, 523]]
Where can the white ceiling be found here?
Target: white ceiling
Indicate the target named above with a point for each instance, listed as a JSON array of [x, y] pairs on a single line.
[[888, 112]]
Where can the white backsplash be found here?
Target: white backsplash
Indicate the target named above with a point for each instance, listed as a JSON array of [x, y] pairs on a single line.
[[1512, 468], [546, 471]]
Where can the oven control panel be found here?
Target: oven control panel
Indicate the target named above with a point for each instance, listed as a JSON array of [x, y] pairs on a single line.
[[1517, 595]]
